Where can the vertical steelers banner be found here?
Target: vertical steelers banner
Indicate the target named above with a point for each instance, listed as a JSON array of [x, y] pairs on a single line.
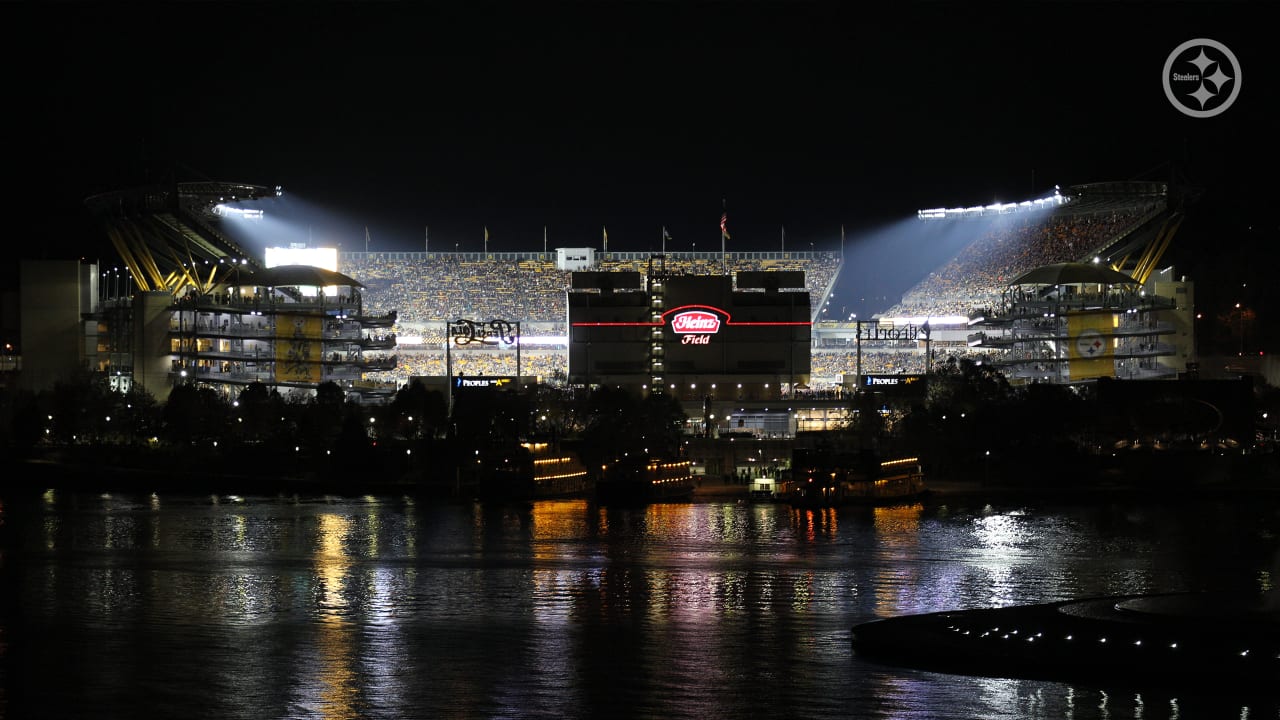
[[1090, 345], [298, 348]]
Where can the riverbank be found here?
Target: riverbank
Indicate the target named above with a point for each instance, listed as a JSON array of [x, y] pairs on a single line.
[[37, 475]]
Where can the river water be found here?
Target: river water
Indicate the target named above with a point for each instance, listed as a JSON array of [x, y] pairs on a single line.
[[173, 606]]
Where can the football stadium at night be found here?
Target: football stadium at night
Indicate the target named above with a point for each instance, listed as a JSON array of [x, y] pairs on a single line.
[[1065, 288]]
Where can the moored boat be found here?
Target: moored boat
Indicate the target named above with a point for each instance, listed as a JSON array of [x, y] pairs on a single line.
[[830, 479], [532, 471], [645, 480]]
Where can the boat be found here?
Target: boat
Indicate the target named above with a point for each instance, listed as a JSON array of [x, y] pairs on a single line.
[[768, 490], [645, 480], [827, 479], [531, 471]]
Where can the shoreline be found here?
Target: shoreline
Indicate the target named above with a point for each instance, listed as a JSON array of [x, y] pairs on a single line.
[[37, 475]]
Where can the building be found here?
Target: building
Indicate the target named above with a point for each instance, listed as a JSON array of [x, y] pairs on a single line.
[[188, 304], [291, 327], [1075, 322]]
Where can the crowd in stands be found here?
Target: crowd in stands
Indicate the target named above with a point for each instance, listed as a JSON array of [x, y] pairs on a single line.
[[1006, 248], [451, 286], [430, 290], [547, 364], [827, 366]]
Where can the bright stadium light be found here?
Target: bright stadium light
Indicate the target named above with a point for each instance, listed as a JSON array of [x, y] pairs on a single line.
[[245, 213], [995, 208]]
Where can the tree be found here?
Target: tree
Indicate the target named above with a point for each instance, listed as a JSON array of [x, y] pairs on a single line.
[[418, 412], [194, 412], [618, 424]]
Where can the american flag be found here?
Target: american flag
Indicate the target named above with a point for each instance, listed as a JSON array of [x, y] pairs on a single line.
[[724, 224]]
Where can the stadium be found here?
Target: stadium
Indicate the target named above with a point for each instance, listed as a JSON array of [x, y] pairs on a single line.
[[743, 339], [1123, 227]]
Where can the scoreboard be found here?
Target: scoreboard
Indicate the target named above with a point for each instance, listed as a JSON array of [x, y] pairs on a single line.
[[700, 325]]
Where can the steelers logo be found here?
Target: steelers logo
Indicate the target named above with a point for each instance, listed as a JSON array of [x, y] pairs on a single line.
[[1202, 78], [1089, 344]]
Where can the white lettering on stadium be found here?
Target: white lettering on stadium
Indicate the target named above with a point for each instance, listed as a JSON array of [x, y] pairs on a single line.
[[696, 340]]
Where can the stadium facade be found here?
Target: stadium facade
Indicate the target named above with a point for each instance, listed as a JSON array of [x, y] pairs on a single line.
[[192, 306]]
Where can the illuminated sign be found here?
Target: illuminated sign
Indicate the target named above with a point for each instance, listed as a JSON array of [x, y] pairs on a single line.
[[326, 258], [896, 382], [465, 332], [483, 382], [699, 310], [696, 321], [876, 331]]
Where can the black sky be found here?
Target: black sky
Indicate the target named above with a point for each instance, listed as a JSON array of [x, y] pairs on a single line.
[[634, 116]]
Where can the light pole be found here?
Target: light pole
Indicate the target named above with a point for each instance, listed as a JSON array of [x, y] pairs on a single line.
[[1240, 324], [858, 337]]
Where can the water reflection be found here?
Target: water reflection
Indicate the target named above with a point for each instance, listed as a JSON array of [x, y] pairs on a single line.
[[382, 607]]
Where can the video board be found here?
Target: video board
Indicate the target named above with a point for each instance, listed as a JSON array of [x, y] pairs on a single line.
[[705, 327]]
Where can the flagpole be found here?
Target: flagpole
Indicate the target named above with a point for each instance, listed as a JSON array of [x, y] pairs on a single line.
[[366, 239], [784, 238], [664, 239], [426, 238], [724, 235], [544, 239]]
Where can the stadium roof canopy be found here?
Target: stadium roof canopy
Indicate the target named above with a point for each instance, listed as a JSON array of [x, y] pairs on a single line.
[[170, 236], [302, 275], [1073, 274]]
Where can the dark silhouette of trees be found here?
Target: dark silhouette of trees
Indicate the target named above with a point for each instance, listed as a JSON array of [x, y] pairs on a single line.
[[417, 412], [193, 412], [619, 424]]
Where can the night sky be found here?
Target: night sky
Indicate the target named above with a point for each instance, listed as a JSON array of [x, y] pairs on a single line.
[[635, 116]]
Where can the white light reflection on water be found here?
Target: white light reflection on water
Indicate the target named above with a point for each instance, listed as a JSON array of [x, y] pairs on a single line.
[[1001, 538]]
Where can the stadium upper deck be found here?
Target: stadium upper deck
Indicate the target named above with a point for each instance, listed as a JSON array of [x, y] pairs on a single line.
[[433, 288], [1095, 218]]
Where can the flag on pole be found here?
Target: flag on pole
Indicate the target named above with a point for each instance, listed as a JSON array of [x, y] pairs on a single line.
[[605, 233], [724, 236]]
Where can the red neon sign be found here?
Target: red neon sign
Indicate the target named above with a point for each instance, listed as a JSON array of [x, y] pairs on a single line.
[[696, 321], [697, 310]]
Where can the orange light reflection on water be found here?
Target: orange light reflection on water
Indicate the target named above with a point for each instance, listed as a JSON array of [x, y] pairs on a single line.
[[337, 676]]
